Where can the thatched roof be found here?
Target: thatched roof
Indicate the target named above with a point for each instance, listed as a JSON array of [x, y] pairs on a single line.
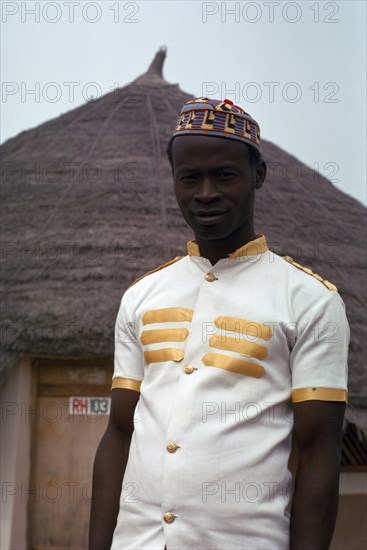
[[88, 206]]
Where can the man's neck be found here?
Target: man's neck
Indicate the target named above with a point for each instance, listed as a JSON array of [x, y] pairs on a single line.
[[215, 250]]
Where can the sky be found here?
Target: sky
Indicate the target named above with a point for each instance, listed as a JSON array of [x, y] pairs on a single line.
[[299, 68]]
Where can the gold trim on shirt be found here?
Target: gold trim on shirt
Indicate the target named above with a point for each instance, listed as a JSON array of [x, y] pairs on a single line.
[[238, 366], [155, 270], [193, 248], [164, 354], [309, 271], [125, 383], [244, 326], [164, 335], [319, 394], [167, 314], [240, 346], [252, 248]]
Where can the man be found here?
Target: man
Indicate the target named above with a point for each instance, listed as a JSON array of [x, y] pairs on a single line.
[[224, 353]]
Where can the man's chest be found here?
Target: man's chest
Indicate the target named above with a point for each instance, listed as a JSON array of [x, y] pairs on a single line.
[[230, 331]]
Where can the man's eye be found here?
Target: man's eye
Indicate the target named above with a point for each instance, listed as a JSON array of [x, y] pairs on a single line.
[[188, 179], [226, 175]]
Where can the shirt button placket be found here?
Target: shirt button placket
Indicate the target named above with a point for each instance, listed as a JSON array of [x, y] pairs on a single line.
[[172, 467]]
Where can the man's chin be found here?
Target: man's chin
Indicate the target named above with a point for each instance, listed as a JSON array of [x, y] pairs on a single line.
[[210, 232]]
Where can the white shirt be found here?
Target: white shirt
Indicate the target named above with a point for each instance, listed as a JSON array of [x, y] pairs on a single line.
[[221, 351]]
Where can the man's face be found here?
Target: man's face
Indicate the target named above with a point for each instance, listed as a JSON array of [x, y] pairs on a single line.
[[214, 184]]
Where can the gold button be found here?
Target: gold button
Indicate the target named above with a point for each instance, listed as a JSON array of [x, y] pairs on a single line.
[[169, 517], [172, 447], [189, 369], [210, 277]]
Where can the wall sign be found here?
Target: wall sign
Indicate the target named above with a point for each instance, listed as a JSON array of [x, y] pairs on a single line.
[[89, 405]]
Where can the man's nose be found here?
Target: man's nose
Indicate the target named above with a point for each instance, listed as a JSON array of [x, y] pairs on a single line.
[[207, 190]]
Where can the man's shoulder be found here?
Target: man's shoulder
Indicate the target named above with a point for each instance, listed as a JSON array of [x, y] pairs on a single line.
[[157, 269], [300, 273], [330, 286]]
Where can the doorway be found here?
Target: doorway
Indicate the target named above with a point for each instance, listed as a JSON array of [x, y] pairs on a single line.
[[71, 407]]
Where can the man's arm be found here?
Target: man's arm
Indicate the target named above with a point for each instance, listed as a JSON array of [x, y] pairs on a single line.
[[317, 429], [109, 468]]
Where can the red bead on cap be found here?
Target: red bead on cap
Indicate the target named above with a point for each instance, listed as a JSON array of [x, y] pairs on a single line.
[[230, 102]]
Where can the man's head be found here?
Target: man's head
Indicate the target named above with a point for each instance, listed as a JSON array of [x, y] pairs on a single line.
[[216, 169]]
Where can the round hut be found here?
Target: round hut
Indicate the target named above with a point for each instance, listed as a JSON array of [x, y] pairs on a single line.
[[87, 207]]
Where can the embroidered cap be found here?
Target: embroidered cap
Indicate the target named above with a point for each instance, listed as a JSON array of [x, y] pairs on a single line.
[[214, 117]]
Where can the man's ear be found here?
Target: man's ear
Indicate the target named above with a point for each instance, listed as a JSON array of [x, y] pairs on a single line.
[[260, 174]]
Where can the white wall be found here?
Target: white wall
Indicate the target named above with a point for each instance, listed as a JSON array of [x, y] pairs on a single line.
[[15, 457]]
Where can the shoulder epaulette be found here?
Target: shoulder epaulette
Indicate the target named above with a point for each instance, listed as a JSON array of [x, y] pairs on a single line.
[[307, 270], [156, 269]]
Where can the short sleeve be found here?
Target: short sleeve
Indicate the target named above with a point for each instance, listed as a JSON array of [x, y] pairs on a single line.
[[319, 358], [129, 362]]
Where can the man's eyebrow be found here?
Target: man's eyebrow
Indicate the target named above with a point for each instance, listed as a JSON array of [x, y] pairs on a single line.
[[216, 167], [186, 170], [226, 166]]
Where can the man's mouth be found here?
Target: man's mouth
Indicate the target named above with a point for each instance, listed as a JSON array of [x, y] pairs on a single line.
[[209, 212], [209, 216]]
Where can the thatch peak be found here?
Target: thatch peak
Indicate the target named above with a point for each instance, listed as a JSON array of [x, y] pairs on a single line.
[[154, 74], [156, 66]]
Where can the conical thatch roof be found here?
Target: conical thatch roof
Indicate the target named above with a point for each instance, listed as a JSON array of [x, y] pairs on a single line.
[[88, 206]]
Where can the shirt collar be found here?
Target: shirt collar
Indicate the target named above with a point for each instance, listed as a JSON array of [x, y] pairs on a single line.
[[252, 248]]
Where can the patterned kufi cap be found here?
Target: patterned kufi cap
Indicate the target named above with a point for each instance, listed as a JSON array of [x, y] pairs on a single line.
[[214, 117]]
